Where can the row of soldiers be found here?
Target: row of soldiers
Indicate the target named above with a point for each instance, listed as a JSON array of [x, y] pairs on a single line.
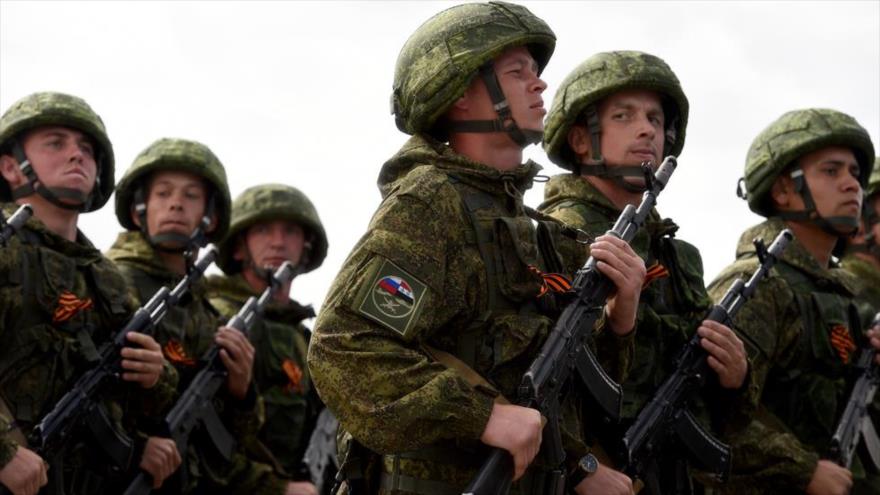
[[450, 294], [62, 302], [454, 292]]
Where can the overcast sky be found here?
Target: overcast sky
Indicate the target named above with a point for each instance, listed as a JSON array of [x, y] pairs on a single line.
[[297, 92]]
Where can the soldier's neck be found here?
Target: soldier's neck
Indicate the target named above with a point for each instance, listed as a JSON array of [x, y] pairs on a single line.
[[817, 242], [618, 196], [495, 149], [258, 284], [175, 262], [60, 221]]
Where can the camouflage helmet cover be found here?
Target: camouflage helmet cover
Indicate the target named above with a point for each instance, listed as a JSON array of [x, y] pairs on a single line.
[[874, 180], [602, 75], [177, 155], [440, 59], [793, 135], [267, 203], [50, 108]]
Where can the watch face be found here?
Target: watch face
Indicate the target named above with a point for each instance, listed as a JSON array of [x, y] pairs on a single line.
[[589, 463]]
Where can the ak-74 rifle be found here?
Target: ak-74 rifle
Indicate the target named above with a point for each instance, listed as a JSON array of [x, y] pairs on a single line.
[[566, 352], [664, 427], [8, 228], [195, 406]]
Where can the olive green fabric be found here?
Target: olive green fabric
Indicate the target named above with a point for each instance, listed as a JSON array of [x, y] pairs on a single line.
[[799, 378], [874, 180], [179, 155], [439, 61], [269, 202], [49, 108], [59, 302], [191, 325], [376, 379], [600, 76], [867, 283], [280, 340], [793, 135]]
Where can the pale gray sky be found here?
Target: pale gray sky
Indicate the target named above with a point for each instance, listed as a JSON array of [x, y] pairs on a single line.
[[297, 92]]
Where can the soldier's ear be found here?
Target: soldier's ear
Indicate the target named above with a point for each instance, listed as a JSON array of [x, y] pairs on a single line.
[[10, 171], [135, 218], [579, 140], [781, 191], [238, 252]]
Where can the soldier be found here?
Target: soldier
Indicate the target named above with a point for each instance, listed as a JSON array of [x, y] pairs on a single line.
[[612, 113], [171, 201], [803, 172], [863, 258], [61, 300], [437, 310], [271, 224]]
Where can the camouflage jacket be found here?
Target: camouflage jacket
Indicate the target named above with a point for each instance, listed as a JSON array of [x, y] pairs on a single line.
[[280, 372], [60, 301], [416, 281], [185, 334], [801, 331], [867, 279]]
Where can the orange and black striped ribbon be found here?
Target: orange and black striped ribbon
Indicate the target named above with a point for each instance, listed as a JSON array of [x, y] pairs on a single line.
[[656, 271], [842, 342], [294, 375], [552, 282], [176, 354], [69, 305]]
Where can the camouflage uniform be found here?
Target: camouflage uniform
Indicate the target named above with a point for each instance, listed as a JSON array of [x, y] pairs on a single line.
[[60, 301], [868, 275], [187, 330], [801, 328], [673, 300], [279, 337]]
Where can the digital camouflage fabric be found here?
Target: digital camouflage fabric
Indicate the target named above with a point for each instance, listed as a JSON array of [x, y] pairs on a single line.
[[867, 286], [60, 301], [602, 75], [273, 202], [179, 155], [439, 61], [421, 278], [185, 334], [793, 135], [801, 332], [281, 375], [49, 108]]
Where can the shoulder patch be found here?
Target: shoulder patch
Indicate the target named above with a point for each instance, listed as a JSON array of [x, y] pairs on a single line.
[[392, 297]]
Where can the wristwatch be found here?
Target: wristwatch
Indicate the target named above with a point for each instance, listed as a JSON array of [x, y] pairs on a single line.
[[585, 468]]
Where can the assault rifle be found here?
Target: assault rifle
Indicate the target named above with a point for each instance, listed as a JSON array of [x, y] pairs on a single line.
[[81, 405], [855, 427], [15, 222], [566, 352], [664, 424], [195, 406]]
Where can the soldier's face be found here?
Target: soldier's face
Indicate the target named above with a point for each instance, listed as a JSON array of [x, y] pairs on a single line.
[[175, 202], [61, 157], [632, 124], [272, 243], [832, 176]]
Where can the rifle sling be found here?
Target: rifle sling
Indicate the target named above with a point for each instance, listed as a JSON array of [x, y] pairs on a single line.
[[474, 379]]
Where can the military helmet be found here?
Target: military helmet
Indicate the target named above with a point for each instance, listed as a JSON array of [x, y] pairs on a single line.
[[179, 155], [793, 135], [874, 180], [602, 75], [50, 108], [439, 61], [273, 202]]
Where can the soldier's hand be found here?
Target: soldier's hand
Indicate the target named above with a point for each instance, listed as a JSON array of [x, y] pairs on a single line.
[[606, 481], [143, 365], [874, 338], [238, 357], [300, 488], [25, 473], [160, 459], [517, 430], [727, 354], [830, 479], [617, 261]]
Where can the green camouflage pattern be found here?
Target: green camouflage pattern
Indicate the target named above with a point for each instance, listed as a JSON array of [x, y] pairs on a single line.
[[798, 378], [874, 180], [49, 108], [867, 282], [600, 76], [270, 202], [378, 380], [793, 135], [192, 325], [48, 348], [440, 59], [178, 155]]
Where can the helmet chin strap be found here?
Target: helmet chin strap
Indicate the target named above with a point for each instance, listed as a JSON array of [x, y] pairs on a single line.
[[505, 121], [174, 242], [836, 226], [80, 201]]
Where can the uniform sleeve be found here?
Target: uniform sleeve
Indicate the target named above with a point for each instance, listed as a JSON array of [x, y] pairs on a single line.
[[8, 446], [768, 324], [364, 356]]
